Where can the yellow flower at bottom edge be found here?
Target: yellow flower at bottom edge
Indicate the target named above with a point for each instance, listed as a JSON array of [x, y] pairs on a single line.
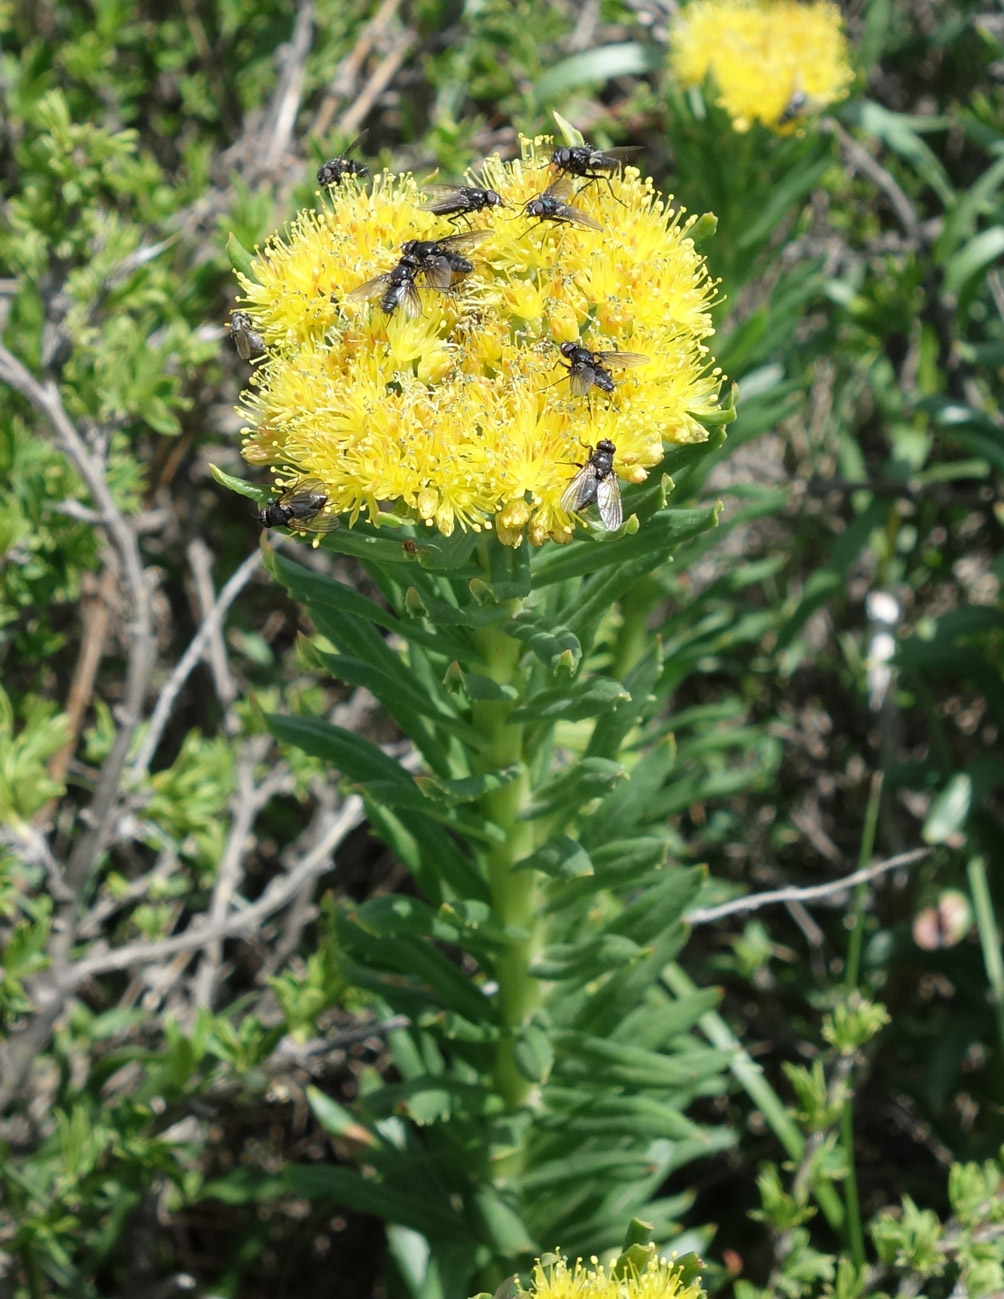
[[772, 61], [660, 1279], [438, 389]]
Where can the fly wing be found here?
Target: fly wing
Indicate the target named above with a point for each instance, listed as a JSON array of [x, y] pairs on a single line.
[[445, 198], [407, 296], [581, 378], [625, 359], [319, 523], [608, 500], [465, 239], [371, 289], [305, 501], [438, 273], [581, 491], [578, 218], [608, 159], [560, 189]]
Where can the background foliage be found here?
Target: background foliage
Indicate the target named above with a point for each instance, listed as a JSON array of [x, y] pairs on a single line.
[[200, 1114]]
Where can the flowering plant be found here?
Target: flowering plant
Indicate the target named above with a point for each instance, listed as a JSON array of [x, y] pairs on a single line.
[[443, 432], [770, 61], [458, 415]]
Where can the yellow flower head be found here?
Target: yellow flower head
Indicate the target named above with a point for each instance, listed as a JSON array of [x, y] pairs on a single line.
[[456, 406], [772, 61], [659, 1279]]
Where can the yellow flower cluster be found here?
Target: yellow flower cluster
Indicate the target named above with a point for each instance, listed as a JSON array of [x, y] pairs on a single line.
[[464, 415], [772, 61], [658, 1280]]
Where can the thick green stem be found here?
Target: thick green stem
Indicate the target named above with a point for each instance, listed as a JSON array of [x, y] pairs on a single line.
[[634, 637], [514, 894]]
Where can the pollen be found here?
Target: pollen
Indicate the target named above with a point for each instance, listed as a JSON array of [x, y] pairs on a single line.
[[452, 408], [777, 62]]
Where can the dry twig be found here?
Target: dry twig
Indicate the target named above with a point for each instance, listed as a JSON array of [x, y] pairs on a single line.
[[811, 893]]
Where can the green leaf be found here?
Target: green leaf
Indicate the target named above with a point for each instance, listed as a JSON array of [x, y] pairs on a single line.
[[349, 754], [532, 1052], [504, 1231], [432, 855], [586, 780], [613, 724], [442, 614], [627, 59], [661, 905], [444, 554], [591, 958], [436, 977], [477, 687], [467, 789], [640, 1116], [652, 1026], [320, 592], [561, 858], [572, 702], [649, 546], [555, 646], [261, 495], [570, 134], [949, 810], [240, 259], [619, 1064], [973, 258], [394, 795], [420, 1208], [628, 807]]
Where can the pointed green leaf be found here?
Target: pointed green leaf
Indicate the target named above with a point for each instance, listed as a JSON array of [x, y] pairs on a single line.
[[320, 592], [257, 492], [588, 779], [619, 1063], [949, 810], [420, 1208], [477, 687], [532, 1053], [468, 788], [561, 858], [349, 754], [552, 644], [449, 615], [240, 259], [572, 702]]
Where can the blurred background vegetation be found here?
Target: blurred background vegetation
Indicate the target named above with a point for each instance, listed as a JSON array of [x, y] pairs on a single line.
[[833, 665]]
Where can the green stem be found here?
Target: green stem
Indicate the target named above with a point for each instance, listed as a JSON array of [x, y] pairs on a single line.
[[855, 1233], [865, 850], [634, 637], [852, 1204], [514, 894], [986, 923], [759, 1090]]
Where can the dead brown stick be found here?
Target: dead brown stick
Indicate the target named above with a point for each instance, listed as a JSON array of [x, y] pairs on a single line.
[[95, 609], [810, 893], [344, 82], [383, 74], [276, 896]]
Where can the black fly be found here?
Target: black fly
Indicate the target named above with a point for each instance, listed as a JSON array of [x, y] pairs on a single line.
[[249, 343], [437, 259], [592, 164], [588, 369], [457, 201], [596, 481], [551, 206], [335, 170], [299, 509], [796, 107]]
